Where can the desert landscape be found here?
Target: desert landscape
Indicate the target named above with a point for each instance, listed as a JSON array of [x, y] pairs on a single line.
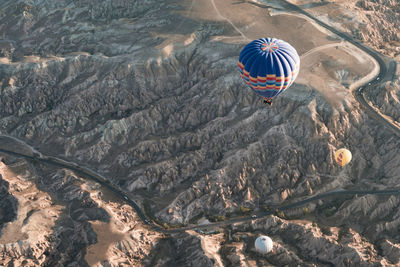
[[128, 138]]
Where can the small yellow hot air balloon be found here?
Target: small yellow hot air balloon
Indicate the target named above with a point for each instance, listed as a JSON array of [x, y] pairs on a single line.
[[342, 157]]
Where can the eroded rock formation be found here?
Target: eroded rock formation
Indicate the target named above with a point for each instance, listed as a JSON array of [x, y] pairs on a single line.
[[147, 94]]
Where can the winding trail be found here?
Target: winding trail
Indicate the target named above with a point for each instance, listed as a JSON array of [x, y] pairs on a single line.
[[86, 172], [229, 21], [187, 15], [322, 47]]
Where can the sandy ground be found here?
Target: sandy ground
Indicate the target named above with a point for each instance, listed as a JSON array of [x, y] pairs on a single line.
[[332, 70], [36, 212], [211, 245], [242, 28], [123, 229], [107, 235]]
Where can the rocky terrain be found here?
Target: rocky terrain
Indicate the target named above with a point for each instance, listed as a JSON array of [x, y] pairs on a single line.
[[306, 244], [182, 250], [57, 217], [147, 93], [387, 97], [381, 25], [375, 22]]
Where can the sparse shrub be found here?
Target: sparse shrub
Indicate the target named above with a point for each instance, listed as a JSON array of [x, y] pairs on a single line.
[[325, 230], [220, 218], [265, 208], [305, 211], [280, 214], [236, 238], [194, 219], [244, 210], [329, 213]]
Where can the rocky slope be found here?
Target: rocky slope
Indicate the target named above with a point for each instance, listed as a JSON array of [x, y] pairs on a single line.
[[180, 250], [148, 94], [387, 97], [303, 243], [374, 22], [381, 27], [54, 217], [9, 205]]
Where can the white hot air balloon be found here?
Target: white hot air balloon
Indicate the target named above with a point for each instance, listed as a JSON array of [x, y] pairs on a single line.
[[263, 244]]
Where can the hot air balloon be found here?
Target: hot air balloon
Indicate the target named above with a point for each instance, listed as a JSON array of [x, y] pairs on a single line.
[[342, 157], [269, 66], [263, 244]]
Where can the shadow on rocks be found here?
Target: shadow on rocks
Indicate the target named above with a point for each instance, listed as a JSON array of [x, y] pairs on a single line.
[[162, 254], [72, 232], [8, 204]]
